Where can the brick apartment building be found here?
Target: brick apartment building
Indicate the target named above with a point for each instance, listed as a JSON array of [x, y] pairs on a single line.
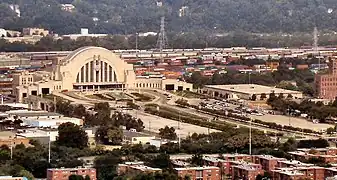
[[278, 168], [327, 155], [246, 171], [64, 173], [267, 162], [199, 173], [313, 172], [326, 84]]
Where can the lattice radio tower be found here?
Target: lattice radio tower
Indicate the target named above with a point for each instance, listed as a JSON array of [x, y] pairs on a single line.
[[162, 39]]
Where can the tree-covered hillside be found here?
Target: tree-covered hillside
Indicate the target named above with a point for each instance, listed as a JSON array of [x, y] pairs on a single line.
[[130, 16]]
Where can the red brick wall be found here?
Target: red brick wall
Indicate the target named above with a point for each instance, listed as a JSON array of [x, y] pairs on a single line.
[[63, 174]]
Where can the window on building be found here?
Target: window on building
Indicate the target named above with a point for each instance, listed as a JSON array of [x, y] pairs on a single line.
[[198, 174]]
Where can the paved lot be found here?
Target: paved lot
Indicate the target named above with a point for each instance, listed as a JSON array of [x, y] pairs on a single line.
[[295, 122], [157, 122]]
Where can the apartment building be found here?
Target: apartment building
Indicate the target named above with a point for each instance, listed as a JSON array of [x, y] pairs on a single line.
[[246, 171], [327, 155], [199, 173], [225, 165], [64, 173], [313, 172], [267, 162]]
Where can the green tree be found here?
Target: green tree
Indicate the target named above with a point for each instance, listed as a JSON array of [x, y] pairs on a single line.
[[106, 165], [263, 96], [79, 111], [253, 98], [72, 135], [330, 130], [161, 161], [27, 174], [289, 96], [197, 159], [87, 177], [167, 133], [109, 135], [75, 177]]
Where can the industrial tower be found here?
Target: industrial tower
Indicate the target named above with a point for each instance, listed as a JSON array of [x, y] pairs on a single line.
[[162, 39]]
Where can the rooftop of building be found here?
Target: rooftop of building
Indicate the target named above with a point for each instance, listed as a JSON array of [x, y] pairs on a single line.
[[180, 163], [247, 167], [317, 149], [289, 172], [135, 134], [295, 163], [269, 157], [27, 113], [301, 153], [71, 169], [196, 168], [252, 89], [134, 163], [213, 159], [145, 168], [334, 169]]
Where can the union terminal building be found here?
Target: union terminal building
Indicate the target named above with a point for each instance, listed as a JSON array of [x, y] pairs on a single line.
[[88, 69]]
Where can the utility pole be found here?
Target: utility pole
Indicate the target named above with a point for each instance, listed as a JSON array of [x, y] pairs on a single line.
[[250, 136], [49, 147], [12, 148], [179, 140]]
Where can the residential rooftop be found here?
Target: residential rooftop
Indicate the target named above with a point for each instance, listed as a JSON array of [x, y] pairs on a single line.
[[296, 163], [70, 169], [196, 168]]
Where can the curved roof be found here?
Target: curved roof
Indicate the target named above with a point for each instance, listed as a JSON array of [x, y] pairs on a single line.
[[74, 53]]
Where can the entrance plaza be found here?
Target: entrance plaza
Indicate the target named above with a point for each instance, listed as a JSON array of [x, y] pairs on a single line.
[[88, 69]]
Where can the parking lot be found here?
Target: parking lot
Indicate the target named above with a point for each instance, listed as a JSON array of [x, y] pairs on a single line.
[[260, 114]]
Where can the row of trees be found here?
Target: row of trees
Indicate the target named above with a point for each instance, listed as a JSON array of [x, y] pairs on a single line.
[[314, 110], [182, 41]]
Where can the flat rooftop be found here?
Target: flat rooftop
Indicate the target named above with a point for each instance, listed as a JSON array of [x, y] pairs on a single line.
[[135, 134], [32, 113], [196, 168], [251, 89]]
